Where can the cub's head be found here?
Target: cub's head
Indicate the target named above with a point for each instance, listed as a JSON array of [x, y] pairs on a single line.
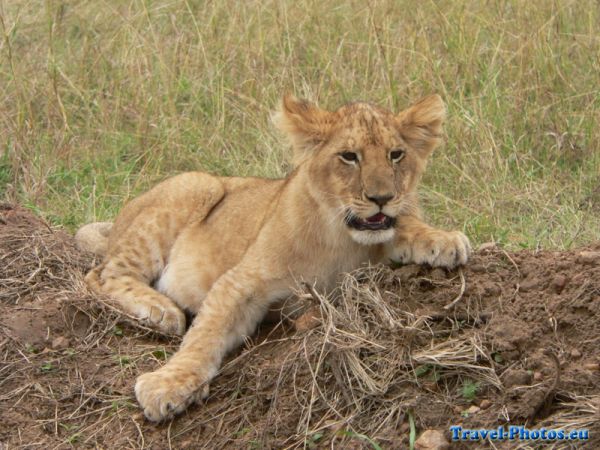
[[363, 162]]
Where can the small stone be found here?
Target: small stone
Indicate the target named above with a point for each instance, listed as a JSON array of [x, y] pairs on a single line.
[[589, 257], [591, 366], [308, 320], [558, 283], [60, 343], [477, 268], [487, 246], [432, 440], [516, 377], [473, 409], [485, 403], [537, 376], [138, 416], [575, 353]]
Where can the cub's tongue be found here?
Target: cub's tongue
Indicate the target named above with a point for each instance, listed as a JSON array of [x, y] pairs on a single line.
[[379, 217]]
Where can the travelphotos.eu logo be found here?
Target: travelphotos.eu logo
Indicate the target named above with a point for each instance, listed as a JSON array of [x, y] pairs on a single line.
[[520, 433]]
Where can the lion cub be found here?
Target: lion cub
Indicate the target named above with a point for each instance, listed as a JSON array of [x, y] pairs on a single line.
[[227, 248]]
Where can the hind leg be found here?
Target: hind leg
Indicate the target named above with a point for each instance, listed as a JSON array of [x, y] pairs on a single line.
[[140, 243], [134, 297], [133, 262]]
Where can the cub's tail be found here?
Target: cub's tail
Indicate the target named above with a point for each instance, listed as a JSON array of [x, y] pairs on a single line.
[[93, 237]]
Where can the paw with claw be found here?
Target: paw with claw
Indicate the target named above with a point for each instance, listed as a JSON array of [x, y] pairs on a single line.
[[437, 248], [169, 391]]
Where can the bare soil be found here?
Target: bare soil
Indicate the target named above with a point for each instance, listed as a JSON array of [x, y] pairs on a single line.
[[512, 338]]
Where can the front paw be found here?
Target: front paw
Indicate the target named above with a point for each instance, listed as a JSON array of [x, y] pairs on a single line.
[[442, 249], [169, 391], [437, 248]]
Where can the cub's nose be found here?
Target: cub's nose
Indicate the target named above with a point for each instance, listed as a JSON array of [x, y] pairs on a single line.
[[380, 200]]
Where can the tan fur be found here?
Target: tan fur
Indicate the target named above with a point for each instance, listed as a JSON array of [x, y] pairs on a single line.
[[93, 237], [227, 248]]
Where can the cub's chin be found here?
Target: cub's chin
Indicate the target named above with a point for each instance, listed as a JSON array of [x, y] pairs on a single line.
[[375, 229], [367, 237]]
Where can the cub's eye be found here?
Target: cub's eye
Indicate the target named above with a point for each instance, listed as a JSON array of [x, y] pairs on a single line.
[[396, 155], [349, 157]]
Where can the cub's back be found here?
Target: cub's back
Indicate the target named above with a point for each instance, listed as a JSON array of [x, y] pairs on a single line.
[[234, 223]]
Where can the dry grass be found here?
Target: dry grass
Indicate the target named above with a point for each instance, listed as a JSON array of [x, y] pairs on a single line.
[[32, 259], [99, 100], [384, 354], [102, 99], [366, 358]]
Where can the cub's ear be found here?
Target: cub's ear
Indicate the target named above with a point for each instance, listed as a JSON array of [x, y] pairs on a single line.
[[304, 124], [421, 125]]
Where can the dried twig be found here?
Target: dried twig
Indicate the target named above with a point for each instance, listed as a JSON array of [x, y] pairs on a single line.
[[463, 286]]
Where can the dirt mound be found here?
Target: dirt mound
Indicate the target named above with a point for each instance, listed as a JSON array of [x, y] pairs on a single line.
[[510, 339]]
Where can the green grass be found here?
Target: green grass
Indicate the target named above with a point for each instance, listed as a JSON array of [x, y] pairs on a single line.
[[100, 100]]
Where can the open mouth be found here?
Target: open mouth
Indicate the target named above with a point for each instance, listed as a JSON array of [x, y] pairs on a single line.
[[376, 222]]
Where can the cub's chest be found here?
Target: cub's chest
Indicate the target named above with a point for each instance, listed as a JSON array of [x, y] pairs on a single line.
[[326, 268]]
